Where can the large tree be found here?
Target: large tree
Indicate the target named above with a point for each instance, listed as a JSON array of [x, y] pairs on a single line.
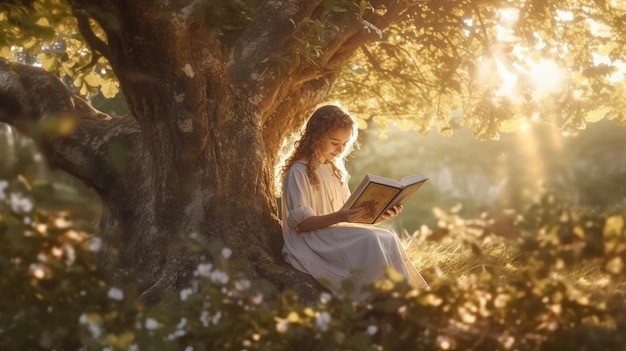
[[214, 89]]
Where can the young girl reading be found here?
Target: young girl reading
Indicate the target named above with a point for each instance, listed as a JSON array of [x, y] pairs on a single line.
[[321, 239]]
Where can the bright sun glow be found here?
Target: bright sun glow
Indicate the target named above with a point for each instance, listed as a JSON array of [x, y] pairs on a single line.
[[509, 81], [541, 76], [547, 78]]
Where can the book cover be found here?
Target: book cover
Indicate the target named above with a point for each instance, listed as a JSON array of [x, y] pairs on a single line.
[[377, 194]]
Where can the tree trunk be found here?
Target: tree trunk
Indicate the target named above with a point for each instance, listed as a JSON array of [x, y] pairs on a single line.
[[209, 111], [163, 192]]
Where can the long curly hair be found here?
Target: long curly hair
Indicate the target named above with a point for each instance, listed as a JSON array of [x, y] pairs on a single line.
[[324, 121]]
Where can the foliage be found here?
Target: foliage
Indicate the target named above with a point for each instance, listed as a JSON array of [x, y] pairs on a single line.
[[313, 34], [48, 271], [501, 63], [49, 37], [587, 168], [490, 290]]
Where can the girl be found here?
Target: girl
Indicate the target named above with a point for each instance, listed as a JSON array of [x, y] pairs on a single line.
[[319, 238]]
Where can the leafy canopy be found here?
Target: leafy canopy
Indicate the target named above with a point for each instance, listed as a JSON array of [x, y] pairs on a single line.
[[499, 64], [490, 65], [46, 34]]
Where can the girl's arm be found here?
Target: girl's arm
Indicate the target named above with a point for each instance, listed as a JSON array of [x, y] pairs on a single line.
[[318, 222]]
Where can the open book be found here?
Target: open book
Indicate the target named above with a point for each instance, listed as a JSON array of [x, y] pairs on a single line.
[[378, 194]]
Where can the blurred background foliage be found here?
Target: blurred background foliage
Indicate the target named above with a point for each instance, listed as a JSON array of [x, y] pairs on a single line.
[[586, 169]]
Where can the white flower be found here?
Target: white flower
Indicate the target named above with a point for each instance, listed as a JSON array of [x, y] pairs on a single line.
[[325, 297], [507, 341], [94, 244], [20, 204], [115, 294], [177, 334], [282, 325], [189, 348], [182, 323], [372, 329], [243, 284], [322, 320], [184, 294], [219, 277], [70, 254], [151, 324], [257, 299], [226, 253], [95, 330], [204, 318], [203, 270], [37, 270], [207, 319], [216, 318], [444, 342], [133, 347]]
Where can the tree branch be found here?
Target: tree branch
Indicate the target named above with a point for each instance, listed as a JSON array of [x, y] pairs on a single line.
[[71, 134], [265, 37], [98, 47], [344, 46]]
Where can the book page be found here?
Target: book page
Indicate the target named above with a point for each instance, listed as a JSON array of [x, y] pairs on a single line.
[[409, 180], [375, 199], [384, 181], [406, 194]]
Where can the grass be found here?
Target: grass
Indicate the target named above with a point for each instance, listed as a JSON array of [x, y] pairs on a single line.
[[459, 255]]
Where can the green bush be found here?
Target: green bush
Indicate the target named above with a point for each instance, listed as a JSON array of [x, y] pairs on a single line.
[[542, 289]]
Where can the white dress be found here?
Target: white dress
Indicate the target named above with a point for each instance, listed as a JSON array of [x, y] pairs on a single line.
[[342, 251]]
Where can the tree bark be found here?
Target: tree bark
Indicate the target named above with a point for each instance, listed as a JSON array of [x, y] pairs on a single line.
[[209, 111]]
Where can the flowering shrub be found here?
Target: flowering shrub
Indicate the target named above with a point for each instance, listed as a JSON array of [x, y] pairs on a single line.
[[541, 291], [49, 276]]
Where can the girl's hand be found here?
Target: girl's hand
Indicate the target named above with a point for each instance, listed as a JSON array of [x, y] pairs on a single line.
[[390, 213], [351, 215]]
